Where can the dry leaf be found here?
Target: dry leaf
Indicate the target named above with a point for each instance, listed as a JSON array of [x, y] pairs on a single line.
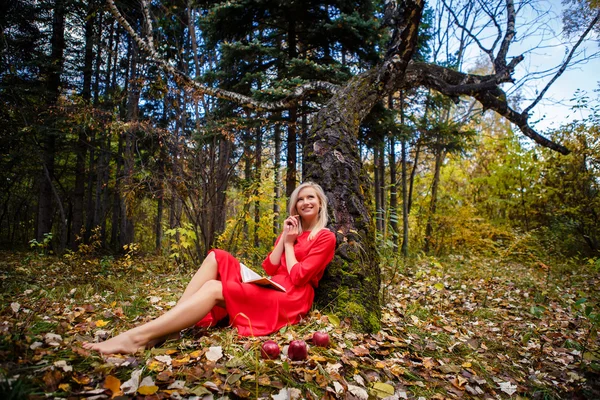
[[114, 384], [131, 386], [214, 353], [382, 390]]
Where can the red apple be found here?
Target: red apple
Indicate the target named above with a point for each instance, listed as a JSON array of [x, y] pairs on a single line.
[[270, 350], [321, 339], [297, 350]]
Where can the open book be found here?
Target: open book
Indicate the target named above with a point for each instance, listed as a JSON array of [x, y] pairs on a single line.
[[249, 276]]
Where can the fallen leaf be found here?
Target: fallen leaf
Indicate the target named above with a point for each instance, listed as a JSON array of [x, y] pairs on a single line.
[[114, 384], [360, 351], [101, 323], [52, 378], [131, 386], [177, 385], [35, 345], [147, 390], [359, 392], [147, 386], [62, 364], [164, 359], [382, 390], [15, 307], [214, 353], [65, 387], [508, 388]]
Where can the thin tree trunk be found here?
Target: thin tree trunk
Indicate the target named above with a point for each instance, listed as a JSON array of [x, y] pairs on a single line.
[[393, 209], [292, 141], [405, 200], [439, 160], [277, 181], [258, 173], [382, 196], [377, 187]]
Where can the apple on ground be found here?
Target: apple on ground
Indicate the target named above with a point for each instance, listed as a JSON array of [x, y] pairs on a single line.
[[297, 350], [321, 339], [270, 350]]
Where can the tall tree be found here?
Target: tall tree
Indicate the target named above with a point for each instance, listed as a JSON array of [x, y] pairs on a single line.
[[353, 277]]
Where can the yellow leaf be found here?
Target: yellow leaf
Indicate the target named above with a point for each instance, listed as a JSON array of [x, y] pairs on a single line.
[[334, 319], [100, 323], [382, 390], [65, 387], [196, 354], [114, 384], [439, 286], [156, 366], [466, 365], [146, 390]]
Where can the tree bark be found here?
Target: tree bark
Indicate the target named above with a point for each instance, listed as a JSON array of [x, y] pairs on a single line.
[[351, 282], [440, 154], [54, 71], [276, 181]]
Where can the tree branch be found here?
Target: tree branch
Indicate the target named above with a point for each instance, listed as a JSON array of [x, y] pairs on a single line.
[[484, 88], [297, 93], [565, 64]]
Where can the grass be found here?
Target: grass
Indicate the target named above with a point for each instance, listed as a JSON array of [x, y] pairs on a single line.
[[479, 322]]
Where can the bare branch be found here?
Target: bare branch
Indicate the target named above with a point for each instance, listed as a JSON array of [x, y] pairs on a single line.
[[469, 32], [148, 24], [500, 61], [297, 93], [484, 88], [565, 64]]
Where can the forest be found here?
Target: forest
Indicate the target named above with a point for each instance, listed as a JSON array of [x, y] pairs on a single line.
[[135, 136]]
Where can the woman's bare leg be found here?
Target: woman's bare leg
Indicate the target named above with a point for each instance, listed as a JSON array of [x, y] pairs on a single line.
[[185, 314], [208, 271]]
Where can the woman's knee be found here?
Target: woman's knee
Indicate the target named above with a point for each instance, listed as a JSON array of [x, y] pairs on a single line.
[[214, 288]]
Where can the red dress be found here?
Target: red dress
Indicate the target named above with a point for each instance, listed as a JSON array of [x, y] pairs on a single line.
[[255, 310]]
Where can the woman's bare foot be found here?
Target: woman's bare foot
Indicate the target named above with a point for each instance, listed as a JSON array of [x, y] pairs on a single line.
[[124, 343]]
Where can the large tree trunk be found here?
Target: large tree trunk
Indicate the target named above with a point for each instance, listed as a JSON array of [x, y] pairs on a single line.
[[351, 282]]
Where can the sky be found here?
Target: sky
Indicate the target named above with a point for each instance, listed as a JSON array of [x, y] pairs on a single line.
[[544, 49], [556, 107]]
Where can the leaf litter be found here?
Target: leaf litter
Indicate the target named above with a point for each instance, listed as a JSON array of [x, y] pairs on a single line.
[[477, 329]]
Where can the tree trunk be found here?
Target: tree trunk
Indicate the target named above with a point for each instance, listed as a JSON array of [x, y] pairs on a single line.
[[54, 71], [382, 196], [82, 144], [351, 282], [393, 192], [257, 174], [439, 160], [377, 189], [276, 179], [405, 205], [292, 139]]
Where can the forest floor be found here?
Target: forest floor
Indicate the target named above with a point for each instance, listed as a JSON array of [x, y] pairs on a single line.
[[470, 328]]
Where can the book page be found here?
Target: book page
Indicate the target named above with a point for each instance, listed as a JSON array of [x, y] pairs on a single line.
[[249, 276]]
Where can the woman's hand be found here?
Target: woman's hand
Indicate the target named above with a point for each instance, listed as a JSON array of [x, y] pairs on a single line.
[[290, 229]]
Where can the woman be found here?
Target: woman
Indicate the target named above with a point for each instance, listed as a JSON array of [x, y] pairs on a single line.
[[297, 262]]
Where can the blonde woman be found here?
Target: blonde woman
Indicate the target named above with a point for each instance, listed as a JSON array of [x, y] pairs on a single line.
[[297, 262]]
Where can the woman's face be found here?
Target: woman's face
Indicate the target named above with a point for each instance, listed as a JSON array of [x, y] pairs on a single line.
[[308, 204]]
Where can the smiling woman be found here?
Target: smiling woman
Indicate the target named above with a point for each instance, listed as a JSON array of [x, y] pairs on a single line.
[[216, 291]]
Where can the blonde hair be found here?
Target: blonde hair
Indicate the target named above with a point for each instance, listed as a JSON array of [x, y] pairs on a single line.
[[322, 218]]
